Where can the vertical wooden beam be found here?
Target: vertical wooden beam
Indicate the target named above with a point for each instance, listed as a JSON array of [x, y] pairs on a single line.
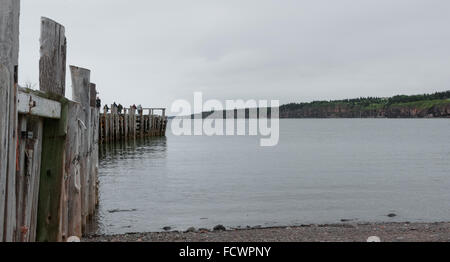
[[73, 157], [9, 54], [52, 79], [81, 93], [52, 177], [125, 123], [52, 65], [34, 149], [95, 160], [133, 122], [106, 127], [93, 157], [142, 124], [20, 178]]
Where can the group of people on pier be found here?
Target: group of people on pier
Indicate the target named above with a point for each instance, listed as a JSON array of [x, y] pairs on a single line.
[[119, 107]]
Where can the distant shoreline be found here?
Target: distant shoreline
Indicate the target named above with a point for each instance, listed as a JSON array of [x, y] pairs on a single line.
[[345, 232], [435, 105]]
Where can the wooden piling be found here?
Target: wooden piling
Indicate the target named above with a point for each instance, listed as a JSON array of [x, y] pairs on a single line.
[[9, 53], [73, 169], [81, 94], [52, 74], [129, 125], [52, 79], [93, 151], [32, 180], [52, 177], [44, 159]]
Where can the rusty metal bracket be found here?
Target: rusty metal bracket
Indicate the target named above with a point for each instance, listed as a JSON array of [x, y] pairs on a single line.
[[31, 105]]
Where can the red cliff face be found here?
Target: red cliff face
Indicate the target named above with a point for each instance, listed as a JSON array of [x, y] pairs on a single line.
[[346, 111], [441, 111]]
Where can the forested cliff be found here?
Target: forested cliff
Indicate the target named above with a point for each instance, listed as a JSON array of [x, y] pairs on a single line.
[[417, 106]]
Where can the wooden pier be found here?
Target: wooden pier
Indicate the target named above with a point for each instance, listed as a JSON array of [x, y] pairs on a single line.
[[49, 144], [131, 123]]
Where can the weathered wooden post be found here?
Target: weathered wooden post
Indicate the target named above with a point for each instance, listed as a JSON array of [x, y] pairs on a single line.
[[142, 123], [150, 122], [53, 57], [81, 94], [94, 151], [111, 124], [106, 125], [116, 123], [52, 79], [164, 123], [125, 123], [73, 169], [133, 122], [9, 54]]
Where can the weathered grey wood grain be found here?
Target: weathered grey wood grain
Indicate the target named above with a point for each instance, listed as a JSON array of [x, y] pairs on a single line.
[[32, 178], [93, 162], [52, 176], [52, 78], [20, 180], [9, 54], [52, 64], [81, 94], [32, 104], [72, 167], [93, 158]]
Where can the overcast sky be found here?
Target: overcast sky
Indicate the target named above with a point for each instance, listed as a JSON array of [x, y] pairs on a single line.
[[154, 52]]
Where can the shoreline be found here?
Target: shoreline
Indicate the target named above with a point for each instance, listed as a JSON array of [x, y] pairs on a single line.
[[345, 232]]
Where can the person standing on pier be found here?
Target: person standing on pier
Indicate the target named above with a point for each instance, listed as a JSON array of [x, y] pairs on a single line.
[[98, 102], [106, 108], [120, 108]]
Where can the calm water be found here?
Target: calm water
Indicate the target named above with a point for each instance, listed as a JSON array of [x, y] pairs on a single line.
[[321, 172]]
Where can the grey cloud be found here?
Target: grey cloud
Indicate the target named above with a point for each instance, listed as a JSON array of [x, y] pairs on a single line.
[[154, 52]]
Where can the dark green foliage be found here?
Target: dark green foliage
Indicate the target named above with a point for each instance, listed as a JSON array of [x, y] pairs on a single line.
[[368, 103]]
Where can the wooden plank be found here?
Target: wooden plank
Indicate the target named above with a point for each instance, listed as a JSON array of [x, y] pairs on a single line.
[[92, 144], [73, 147], [125, 123], [117, 124], [20, 179], [133, 122], [51, 177], [52, 64], [141, 123], [81, 94], [32, 178], [9, 53], [52, 78], [94, 163], [32, 104]]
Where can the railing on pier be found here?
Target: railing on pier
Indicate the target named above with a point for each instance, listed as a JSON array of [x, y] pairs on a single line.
[[49, 144], [131, 123]]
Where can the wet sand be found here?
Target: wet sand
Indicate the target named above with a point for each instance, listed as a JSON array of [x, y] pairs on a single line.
[[388, 232]]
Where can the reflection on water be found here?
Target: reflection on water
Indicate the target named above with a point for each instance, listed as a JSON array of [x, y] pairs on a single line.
[[119, 169], [152, 147], [323, 171]]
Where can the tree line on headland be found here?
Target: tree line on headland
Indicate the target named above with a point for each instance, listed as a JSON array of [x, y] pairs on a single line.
[[401, 106], [435, 105]]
